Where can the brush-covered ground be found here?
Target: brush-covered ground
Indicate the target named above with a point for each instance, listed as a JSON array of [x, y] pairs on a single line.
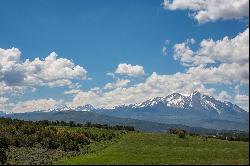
[[43, 142], [152, 148]]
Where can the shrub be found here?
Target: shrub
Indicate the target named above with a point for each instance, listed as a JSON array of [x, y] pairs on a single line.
[[181, 134], [3, 156]]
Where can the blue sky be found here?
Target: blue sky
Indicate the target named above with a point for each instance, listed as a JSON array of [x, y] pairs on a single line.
[[99, 35]]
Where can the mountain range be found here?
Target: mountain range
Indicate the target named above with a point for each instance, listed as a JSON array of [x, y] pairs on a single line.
[[196, 110]]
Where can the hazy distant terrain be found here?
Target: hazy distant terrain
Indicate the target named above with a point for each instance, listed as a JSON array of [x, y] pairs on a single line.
[[84, 117]]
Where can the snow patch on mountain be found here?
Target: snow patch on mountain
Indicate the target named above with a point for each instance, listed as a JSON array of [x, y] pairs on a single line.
[[86, 107]]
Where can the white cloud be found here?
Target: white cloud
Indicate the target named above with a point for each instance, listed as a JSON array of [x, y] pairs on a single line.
[[235, 50], [241, 98], [16, 76], [128, 69], [3, 102], [35, 105], [72, 91], [58, 83], [243, 101], [231, 56], [187, 56], [118, 84], [211, 10], [164, 48], [110, 74], [8, 58], [53, 69], [225, 74], [224, 96], [17, 90]]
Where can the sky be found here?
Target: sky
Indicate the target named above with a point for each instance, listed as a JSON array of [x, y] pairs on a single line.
[[114, 52]]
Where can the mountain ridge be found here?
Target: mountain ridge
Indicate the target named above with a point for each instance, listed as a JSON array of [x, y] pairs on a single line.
[[195, 101]]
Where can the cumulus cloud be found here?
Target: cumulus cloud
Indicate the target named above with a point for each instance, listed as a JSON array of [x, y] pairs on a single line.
[[224, 96], [129, 70], [211, 10], [242, 100], [8, 58], [17, 90], [16, 75], [225, 73], [3, 102], [235, 50], [231, 56], [188, 57], [118, 84], [53, 69], [58, 83], [35, 105], [72, 91]]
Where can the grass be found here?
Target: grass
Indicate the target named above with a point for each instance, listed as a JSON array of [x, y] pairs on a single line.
[[147, 148]]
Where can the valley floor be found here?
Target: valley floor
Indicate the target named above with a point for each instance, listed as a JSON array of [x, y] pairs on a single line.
[[148, 148]]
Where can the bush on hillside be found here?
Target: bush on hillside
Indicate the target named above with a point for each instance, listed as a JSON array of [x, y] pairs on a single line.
[[182, 134]]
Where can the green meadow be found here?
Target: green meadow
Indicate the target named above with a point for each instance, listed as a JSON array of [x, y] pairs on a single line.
[[152, 148]]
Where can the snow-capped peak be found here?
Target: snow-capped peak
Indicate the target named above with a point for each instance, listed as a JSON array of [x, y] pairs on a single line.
[[194, 101], [196, 93], [176, 100], [86, 107], [60, 108], [151, 102]]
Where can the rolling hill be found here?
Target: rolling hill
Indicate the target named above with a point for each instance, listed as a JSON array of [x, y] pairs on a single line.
[[162, 149]]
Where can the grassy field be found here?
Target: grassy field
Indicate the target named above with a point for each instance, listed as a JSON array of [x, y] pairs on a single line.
[[147, 148]]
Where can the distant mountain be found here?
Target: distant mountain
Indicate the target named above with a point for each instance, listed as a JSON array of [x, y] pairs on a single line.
[[86, 107], [195, 110], [85, 116], [196, 101], [2, 113]]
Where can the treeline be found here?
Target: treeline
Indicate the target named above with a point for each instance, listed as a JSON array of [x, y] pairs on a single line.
[[71, 124], [53, 135], [107, 127], [234, 136], [230, 136]]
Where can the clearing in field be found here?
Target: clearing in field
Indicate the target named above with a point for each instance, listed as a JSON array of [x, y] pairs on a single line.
[[148, 148]]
